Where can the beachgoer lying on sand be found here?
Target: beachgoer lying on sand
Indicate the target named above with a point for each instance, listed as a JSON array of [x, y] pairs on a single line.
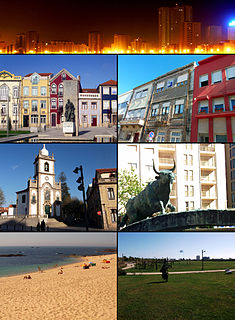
[[27, 277], [61, 272]]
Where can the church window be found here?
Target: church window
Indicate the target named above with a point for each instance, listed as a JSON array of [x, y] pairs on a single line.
[[33, 200], [46, 166], [47, 195], [23, 198]]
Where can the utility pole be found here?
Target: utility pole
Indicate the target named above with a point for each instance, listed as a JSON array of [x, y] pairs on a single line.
[[203, 260]]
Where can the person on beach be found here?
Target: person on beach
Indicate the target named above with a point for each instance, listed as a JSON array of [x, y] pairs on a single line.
[[164, 270]]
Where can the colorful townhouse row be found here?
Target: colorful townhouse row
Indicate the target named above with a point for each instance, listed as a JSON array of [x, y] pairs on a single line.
[[39, 99], [193, 103]]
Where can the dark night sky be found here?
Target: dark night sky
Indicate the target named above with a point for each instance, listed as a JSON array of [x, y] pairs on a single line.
[[56, 21]]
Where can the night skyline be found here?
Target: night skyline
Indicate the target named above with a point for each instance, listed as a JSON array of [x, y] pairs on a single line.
[[79, 18]]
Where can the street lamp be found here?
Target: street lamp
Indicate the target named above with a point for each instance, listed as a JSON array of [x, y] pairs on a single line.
[[82, 188], [203, 260]]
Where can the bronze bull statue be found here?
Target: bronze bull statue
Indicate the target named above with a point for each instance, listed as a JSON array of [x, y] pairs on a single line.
[[154, 198]]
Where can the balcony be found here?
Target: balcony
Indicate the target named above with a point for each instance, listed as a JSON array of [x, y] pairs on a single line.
[[165, 146], [207, 149], [207, 195], [208, 165], [208, 180], [132, 121]]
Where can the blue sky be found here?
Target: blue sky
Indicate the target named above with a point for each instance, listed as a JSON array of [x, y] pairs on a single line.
[[93, 69], [134, 70], [16, 164], [97, 239], [169, 244]]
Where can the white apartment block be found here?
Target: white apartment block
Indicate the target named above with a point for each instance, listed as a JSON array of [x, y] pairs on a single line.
[[200, 181]]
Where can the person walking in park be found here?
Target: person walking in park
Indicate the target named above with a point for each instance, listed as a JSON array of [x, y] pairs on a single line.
[[164, 270]]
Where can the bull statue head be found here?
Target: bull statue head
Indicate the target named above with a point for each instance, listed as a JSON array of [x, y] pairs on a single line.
[[167, 174]]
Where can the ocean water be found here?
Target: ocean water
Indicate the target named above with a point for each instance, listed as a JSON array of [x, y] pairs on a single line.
[[43, 257]]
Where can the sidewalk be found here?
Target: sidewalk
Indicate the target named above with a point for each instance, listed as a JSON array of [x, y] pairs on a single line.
[[174, 272]]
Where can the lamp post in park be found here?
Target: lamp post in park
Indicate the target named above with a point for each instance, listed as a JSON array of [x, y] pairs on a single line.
[[203, 260], [82, 188]]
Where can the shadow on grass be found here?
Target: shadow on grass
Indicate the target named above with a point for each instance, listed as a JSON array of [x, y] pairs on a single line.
[[155, 282]]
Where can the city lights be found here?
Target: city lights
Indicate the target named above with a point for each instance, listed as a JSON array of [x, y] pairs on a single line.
[[232, 23]]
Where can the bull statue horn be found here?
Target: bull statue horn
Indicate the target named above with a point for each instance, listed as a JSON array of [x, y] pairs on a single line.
[[173, 169], [154, 169]]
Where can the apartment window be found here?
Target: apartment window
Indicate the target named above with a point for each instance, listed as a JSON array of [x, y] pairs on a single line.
[[175, 136], [25, 104], [169, 83], [160, 86], [185, 159], [186, 191], [230, 73], [155, 109], [53, 88], [113, 90], [43, 91], [190, 175], [111, 194], [186, 175], [94, 105], [43, 104], [191, 191], [144, 93], [43, 119], [179, 107], [218, 105], [106, 104], [25, 91], [186, 205], [203, 106], [34, 105], [34, 91], [132, 165], [114, 215], [190, 159], [34, 118], [191, 205], [105, 90], [53, 104], [160, 136], [232, 103], [84, 105], [216, 76], [165, 109], [203, 80], [138, 94]]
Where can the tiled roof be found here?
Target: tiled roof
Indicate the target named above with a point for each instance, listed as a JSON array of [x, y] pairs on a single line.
[[106, 170], [41, 74], [89, 91], [109, 83]]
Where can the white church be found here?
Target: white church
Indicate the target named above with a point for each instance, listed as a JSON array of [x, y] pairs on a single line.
[[42, 197]]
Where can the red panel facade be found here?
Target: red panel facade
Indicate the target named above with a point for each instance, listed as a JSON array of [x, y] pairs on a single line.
[[211, 91]]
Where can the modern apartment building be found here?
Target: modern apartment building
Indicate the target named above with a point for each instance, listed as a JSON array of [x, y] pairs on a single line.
[[230, 174], [200, 181], [35, 97], [168, 118], [10, 88], [213, 114]]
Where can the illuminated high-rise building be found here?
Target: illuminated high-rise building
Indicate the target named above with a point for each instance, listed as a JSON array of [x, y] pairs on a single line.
[[121, 42], [95, 42], [32, 38], [190, 35], [231, 31], [213, 34]]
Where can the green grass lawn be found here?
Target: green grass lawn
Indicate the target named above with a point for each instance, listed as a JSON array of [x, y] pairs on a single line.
[[209, 296], [3, 134], [190, 265]]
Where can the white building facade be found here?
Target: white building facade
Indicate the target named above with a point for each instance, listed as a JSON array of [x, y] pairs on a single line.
[[200, 181]]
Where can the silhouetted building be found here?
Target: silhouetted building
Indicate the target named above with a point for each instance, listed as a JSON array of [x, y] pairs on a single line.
[[95, 42], [213, 34], [32, 39]]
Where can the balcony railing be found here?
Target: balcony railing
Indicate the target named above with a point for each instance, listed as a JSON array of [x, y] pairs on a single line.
[[207, 148]]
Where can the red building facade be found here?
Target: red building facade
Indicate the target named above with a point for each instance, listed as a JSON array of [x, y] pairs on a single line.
[[56, 96], [213, 111]]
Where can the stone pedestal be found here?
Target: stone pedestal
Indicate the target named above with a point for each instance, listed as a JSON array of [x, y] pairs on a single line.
[[69, 128]]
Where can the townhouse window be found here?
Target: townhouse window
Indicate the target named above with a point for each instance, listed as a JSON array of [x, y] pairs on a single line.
[[34, 119], [61, 89], [182, 79], [43, 104], [155, 110], [203, 106], [114, 105], [63, 76], [169, 83], [138, 94], [232, 103], [43, 119], [105, 90], [53, 103], [25, 104], [84, 105], [160, 136], [106, 105], [43, 91], [230, 73], [15, 110], [34, 105], [160, 86], [203, 80], [61, 103], [94, 105], [179, 106], [106, 118], [144, 93], [53, 88], [165, 109], [113, 90], [35, 79], [175, 136], [15, 92], [111, 194], [3, 110], [218, 105], [216, 76], [25, 91], [114, 215], [34, 91], [4, 91]]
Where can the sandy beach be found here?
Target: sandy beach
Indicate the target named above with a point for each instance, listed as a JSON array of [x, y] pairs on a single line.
[[76, 294]]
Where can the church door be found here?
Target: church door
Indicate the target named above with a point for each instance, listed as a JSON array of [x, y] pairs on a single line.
[[47, 209]]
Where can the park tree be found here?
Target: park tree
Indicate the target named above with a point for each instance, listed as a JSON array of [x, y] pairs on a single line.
[[65, 194], [73, 211], [128, 186], [2, 197]]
